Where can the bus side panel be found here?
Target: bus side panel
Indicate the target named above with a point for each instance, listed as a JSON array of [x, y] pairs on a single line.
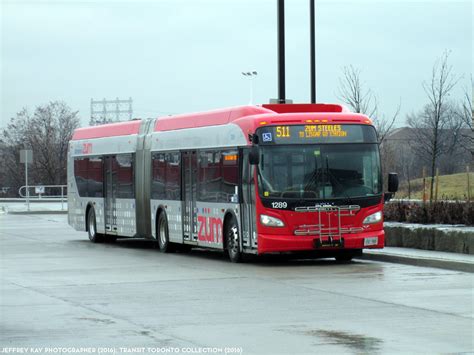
[[126, 220], [76, 213], [77, 206], [210, 223], [173, 214]]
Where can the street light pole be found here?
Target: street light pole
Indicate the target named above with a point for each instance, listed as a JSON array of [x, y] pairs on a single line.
[[281, 52], [251, 75], [313, 51]]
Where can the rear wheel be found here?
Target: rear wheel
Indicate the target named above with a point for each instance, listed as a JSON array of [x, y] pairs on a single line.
[[233, 241], [94, 237], [162, 234]]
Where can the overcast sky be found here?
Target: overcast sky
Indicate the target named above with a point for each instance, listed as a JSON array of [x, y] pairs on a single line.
[[184, 56]]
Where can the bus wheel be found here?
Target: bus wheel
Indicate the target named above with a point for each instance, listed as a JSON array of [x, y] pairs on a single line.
[[346, 257], [94, 237], [162, 234], [232, 241]]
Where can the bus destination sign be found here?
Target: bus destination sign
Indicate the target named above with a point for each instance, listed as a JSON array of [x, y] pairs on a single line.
[[317, 133]]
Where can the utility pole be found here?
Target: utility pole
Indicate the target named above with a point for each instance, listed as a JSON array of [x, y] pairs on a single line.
[[281, 52], [313, 51]]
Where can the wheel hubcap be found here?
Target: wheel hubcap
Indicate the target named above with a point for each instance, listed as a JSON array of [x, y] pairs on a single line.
[[233, 240], [162, 233], [91, 226]]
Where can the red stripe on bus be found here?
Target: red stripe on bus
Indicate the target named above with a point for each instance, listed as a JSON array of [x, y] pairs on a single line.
[[107, 130]]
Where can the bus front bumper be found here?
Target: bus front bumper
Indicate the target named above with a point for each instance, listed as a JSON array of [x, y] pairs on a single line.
[[273, 243]]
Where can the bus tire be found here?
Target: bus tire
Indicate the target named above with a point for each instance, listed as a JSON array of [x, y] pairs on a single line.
[[344, 258], [232, 241], [94, 237], [347, 256], [162, 234]]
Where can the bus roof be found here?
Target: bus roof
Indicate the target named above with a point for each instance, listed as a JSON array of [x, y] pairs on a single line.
[[247, 117]]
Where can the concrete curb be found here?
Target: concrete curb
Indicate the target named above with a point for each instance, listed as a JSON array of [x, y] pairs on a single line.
[[37, 212], [419, 261]]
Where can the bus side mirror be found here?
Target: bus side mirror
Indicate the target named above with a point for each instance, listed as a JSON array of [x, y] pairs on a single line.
[[392, 186], [254, 156], [392, 182]]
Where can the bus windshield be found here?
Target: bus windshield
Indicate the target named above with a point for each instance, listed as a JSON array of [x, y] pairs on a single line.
[[325, 171]]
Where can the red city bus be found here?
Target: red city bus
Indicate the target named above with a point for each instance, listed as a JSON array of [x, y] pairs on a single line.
[[263, 179]]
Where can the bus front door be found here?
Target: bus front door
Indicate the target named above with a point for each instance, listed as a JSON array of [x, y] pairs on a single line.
[[189, 196], [110, 182], [249, 227]]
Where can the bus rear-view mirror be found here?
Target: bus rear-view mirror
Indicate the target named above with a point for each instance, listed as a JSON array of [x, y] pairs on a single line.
[[392, 182], [254, 156]]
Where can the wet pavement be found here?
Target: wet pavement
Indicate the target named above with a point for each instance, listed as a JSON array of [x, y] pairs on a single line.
[[58, 289]]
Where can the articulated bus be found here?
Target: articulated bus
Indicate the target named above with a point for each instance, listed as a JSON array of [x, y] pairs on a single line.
[[274, 178]]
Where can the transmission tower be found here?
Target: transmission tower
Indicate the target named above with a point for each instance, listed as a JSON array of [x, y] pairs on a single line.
[[103, 111]]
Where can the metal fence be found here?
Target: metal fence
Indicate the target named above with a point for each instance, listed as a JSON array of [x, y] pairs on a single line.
[[45, 192]]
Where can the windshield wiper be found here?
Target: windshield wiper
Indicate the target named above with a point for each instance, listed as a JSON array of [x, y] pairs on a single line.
[[346, 195]]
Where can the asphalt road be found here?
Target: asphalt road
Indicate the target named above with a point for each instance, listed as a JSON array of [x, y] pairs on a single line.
[[59, 290]]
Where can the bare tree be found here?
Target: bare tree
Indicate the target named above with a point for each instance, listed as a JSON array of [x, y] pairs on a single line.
[[436, 128], [362, 100], [95, 121], [47, 132], [466, 114]]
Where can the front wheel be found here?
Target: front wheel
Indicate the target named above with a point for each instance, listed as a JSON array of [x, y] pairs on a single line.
[[348, 256], [233, 241], [344, 258], [94, 237]]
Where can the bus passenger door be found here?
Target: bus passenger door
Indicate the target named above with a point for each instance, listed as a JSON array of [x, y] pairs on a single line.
[[248, 203], [110, 182], [189, 196]]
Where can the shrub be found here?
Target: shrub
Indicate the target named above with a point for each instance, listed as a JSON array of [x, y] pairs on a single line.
[[440, 212]]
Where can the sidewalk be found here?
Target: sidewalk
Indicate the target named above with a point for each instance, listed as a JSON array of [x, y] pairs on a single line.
[[418, 257]]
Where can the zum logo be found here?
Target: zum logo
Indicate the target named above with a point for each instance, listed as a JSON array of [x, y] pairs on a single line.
[[210, 229], [86, 148]]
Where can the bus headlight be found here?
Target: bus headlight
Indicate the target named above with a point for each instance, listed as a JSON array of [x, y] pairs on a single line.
[[271, 221], [373, 218]]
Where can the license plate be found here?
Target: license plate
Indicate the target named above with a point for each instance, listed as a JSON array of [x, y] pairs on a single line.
[[371, 241]]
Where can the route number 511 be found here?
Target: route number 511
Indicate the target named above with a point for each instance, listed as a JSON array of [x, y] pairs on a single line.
[[283, 131]]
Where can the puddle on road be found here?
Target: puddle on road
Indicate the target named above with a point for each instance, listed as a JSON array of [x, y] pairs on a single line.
[[97, 320], [356, 342]]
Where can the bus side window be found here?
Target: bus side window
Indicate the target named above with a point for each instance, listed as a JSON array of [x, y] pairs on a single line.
[[158, 177], [81, 175], [95, 180], [230, 176], [209, 176], [125, 176], [172, 176]]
